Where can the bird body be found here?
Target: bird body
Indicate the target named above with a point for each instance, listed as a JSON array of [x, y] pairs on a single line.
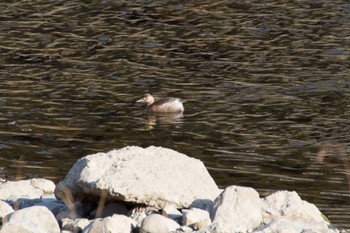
[[165, 105]]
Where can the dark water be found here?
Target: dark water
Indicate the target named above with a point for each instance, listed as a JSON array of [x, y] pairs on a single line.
[[266, 87]]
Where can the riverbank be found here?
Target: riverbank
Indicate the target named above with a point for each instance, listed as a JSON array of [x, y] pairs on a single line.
[[149, 190]]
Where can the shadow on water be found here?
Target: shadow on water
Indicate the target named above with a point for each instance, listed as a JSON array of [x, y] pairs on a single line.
[[266, 89]]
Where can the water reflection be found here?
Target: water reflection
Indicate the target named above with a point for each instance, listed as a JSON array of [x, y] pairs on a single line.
[[266, 87], [160, 119]]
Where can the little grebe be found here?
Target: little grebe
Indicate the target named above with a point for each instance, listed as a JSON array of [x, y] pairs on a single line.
[[165, 105]]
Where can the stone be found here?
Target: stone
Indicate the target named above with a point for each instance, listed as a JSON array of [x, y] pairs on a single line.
[[156, 223], [138, 214], [237, 209], [184, 229], [171, 212], [5, 209], [114, 224], [289, 205], [35, 219], [54, 205], [110, 209], [14, 228], [285, 225], [26, 189], [203, 204], [154, 176], [76, 225], [196, 218]]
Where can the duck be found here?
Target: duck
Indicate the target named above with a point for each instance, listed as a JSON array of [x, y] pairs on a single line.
[[164, 105]]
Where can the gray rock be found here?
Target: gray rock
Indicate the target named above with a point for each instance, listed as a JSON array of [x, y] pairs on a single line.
[[237, 209], [156, 223], [76, 225], [36, 219], [26, 189], [171, 212], [153, 176], [5, 209], [288, 205], [115, 224], [196, 218], [54, 205], [203, 204]]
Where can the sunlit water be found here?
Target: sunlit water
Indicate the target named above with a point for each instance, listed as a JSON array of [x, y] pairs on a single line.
[[266, 87]]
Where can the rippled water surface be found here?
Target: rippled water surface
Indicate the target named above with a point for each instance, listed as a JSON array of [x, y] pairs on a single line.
[[266, 87]]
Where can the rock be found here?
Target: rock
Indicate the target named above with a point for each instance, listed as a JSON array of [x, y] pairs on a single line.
[[184, 229], [115, 224], [171, 212], [288, 205], [138, 214], [14, 228], [76, 225], [5, 209], [73, 211], [35, 219], [156, 223], [203, 204], [54, 205], [110, 209], [196, 218], [154, 176], [285, 225], [237, 209], [26, 189]]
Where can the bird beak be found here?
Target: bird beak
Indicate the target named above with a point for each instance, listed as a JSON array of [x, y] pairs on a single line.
[[140, 101]]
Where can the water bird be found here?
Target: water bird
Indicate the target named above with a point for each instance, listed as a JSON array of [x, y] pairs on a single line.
[[164, 105]]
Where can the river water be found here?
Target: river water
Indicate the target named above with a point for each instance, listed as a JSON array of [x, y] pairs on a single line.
[[266, 87]]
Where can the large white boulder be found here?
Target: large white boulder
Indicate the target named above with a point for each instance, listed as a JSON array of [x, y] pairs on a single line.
[[289, 205], [26, 189], [35, 219], [237, 209], [154, 176]]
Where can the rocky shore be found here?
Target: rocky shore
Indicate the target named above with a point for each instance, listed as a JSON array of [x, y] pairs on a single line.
[[151, 190]]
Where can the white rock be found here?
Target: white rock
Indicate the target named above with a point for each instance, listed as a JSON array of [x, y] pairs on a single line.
[[196, 218], [288, 205], [5, 209], [26, 189], [237, 209], [288, 226], [153, 176], [76, 225], [115, 224], [171, 212], [14, 228], [36, 219], [156, 223]]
